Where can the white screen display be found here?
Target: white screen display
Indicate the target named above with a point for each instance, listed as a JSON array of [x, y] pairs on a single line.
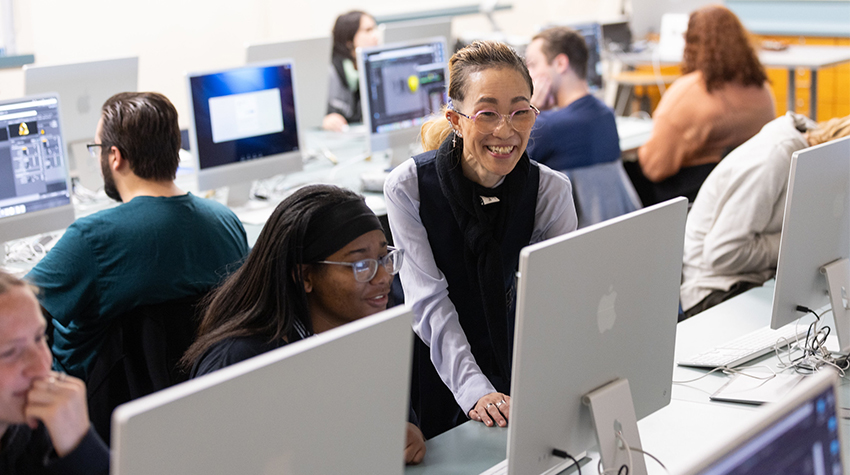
[[250, 114]]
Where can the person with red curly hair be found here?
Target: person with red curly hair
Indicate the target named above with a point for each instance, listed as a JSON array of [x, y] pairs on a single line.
[[720, 102]]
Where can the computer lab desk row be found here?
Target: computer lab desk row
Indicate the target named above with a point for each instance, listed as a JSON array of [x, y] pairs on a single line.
[[353, 161], [678, 434]]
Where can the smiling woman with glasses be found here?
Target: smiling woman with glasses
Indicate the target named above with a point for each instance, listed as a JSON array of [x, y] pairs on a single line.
[[321, 261], [464, 210]]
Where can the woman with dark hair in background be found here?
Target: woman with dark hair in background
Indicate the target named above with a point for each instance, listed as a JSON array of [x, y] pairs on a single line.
[[321, 261], [721, 101], [464, 210], [352, 30]]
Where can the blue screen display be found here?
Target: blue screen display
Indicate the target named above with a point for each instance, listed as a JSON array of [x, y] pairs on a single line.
[[244, 114]]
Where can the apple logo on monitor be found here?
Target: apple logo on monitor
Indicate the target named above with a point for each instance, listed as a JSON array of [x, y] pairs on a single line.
[[605, 313], [83, 103]]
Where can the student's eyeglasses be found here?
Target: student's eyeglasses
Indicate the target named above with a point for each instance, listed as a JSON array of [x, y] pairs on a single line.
[[94, 149], [486, 121], [365, 270]]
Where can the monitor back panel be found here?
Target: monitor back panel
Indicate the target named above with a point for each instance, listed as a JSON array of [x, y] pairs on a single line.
[[402, 31], [333, 403], [815, 228], [312, 57], [83, 88], [594, 305]]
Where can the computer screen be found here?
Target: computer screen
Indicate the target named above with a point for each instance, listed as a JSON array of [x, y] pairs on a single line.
[[611, 314], [401, 85], [592, 33], [35, 188], [333, 403], [312, 59], [244, 125], [83, 88], [800, 435], [815, 232]]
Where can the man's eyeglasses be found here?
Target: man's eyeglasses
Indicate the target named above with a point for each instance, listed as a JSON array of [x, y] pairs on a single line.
[[365, 270], [486, 121], [94, 149]]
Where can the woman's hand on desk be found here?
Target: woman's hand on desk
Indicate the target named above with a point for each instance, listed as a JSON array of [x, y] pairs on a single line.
[[414, 447], [334, 122], [494, 408]]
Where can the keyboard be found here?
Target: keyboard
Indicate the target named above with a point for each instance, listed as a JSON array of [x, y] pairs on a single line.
[[746, 348]]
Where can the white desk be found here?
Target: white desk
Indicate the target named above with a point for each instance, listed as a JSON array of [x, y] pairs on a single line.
[[812, 58], [690, 426]]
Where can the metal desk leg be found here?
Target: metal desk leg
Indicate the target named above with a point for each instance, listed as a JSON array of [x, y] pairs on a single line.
[[813, 94], [792, 90]]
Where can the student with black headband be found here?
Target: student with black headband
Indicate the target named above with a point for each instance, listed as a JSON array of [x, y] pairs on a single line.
[[321, 261], [464, 210]]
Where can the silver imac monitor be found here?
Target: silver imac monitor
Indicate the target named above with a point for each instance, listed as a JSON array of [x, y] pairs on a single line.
[[800, 435], [645, 17], [336, 402], [412, 30], [312, 58], [608, 317], [244, 126], [35, 186], [814, 248], [401, 86], [83, 88]]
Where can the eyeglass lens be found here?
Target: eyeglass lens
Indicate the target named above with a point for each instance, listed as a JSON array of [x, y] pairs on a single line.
[[521, 120]]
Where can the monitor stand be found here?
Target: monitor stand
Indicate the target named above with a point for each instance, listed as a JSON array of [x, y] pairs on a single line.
[[239, 194], [613, 413], [837, 275]]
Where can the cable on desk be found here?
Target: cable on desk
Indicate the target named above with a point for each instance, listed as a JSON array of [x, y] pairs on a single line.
[[564, 455], [730, 371], [653, 457]]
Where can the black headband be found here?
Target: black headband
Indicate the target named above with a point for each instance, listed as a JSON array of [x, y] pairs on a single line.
[[333, 228]]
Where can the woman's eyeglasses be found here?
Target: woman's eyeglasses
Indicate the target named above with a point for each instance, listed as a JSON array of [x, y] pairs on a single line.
[[487, 121], [365, 270]]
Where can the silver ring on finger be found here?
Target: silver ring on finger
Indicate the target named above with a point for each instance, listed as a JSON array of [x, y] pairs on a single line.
[[488, 405], [499, 403]]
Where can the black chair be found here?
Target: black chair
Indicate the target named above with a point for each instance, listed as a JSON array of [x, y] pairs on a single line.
[[140, 356]]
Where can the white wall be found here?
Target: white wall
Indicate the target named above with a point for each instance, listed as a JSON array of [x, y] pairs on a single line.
[[172, 37]]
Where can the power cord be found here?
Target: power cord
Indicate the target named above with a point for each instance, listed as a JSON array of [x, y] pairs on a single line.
[[561, 454]]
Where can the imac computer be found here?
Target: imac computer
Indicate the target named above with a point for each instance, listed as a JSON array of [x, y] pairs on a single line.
[[83, 88], [336, 402], [603, 332], [412, 30], [814, 248], [35, 187], [312, 62], [592, 33], [243, 126], [800, 435], [401, 86]]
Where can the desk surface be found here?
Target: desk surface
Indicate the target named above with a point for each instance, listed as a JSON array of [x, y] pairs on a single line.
[[796, 56], [689, 427]]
